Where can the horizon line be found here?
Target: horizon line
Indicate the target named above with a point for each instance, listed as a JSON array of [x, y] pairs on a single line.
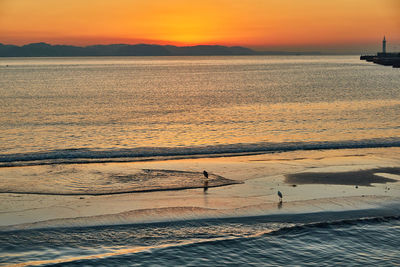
[[292, 49]]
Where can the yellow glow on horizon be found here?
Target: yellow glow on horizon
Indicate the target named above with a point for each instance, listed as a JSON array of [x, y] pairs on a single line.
[[227, 22]]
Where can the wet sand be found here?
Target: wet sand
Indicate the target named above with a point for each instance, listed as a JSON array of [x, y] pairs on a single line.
[[259, 178], [361, 177]]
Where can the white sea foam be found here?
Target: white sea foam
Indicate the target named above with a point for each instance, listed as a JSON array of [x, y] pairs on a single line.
[[86, 155]]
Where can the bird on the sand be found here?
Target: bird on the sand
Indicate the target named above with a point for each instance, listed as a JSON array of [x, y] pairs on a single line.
[[206, 181], [280, 196]]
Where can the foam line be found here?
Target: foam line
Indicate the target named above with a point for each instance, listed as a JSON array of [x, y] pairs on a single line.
[[85, 155]]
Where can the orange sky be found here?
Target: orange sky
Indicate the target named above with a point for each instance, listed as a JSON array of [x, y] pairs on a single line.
[[261, 24]]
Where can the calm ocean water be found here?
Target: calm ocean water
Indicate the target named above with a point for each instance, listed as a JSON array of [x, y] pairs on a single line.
[[105, 108], [57, 110]]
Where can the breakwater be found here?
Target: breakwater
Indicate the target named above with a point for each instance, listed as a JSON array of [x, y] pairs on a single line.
[[386, 59]]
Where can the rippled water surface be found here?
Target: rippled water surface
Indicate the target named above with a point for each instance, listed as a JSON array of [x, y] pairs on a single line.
[[76, 110], [246, 241], [111, 107]]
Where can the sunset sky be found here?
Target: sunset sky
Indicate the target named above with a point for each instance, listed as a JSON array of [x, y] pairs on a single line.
[[261, 24]]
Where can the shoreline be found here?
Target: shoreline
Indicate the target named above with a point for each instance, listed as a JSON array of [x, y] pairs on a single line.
[[259, 177], [372, 208], [122, 192], [149, 154]]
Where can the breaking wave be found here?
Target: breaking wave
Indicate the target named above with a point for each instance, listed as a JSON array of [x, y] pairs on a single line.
[[233, 240], [88, 155]]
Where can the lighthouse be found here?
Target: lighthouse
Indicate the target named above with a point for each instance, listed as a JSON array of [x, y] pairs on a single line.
[[384, 45]]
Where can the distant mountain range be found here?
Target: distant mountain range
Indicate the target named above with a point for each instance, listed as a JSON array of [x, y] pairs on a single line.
[[47, 50]]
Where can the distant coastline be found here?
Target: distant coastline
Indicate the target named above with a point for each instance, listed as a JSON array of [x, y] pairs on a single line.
[[48, 50]]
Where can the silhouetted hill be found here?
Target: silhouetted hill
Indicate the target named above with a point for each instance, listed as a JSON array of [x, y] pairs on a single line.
[[47, 50], [126, 50], [208, 50]]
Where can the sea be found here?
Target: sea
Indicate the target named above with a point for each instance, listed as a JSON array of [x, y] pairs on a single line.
[[58, 111]]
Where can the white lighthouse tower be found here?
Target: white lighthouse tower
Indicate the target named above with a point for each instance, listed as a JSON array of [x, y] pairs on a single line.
[[384, 45]]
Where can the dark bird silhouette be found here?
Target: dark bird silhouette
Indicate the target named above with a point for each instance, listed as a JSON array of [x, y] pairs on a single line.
[[280, 196], [206, 181]]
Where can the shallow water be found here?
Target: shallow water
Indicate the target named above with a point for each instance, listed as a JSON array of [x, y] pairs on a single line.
[[241, 241], [99, 179], [85, 110]]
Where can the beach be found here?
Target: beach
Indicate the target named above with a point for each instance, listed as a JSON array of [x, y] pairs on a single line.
[[256, 182], [102, 161], [245, 210]]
